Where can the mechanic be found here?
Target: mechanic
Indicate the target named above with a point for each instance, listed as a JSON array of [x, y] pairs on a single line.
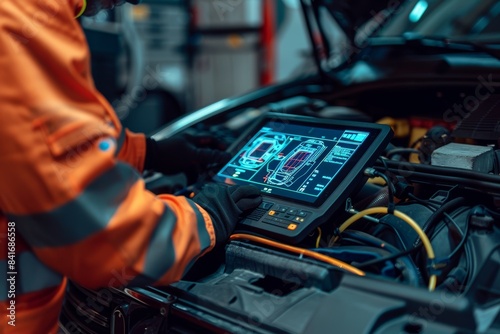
[[73, 201]]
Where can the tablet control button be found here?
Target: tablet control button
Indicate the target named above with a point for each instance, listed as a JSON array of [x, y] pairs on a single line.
[[302, 213], [282, 209], [266, 205]]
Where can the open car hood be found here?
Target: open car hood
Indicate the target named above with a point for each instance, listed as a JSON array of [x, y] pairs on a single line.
[[350, 16]]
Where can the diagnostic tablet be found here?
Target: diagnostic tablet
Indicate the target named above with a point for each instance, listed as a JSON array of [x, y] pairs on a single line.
[[305, 168]]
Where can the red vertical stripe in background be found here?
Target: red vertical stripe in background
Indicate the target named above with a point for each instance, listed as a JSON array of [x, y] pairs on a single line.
[[268, 42], [194, 14]]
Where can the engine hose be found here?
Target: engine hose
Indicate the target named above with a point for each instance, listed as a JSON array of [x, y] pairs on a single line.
[[380, 199], [372, 195], [430, 225], [411, 274], [445, 176], [403, 168]]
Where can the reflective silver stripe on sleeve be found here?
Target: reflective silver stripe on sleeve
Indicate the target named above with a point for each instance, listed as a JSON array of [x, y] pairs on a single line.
[[87, 214], [31, 276], [160, 256]]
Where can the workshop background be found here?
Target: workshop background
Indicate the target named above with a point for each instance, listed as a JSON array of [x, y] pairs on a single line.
[[164, 58]]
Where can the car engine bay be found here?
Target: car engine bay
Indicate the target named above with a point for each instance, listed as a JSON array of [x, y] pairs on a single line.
[[440, 170]]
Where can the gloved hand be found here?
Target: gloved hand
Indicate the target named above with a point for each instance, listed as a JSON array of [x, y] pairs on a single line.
[[178, 155], [226, 204]]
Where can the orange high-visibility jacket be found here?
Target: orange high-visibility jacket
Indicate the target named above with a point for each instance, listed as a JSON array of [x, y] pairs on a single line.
[[69, 178]]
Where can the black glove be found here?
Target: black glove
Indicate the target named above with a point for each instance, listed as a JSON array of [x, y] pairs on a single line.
[[225, 205], [178, 155]]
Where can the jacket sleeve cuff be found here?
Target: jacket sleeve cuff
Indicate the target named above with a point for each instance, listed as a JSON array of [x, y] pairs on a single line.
[[132, 149]]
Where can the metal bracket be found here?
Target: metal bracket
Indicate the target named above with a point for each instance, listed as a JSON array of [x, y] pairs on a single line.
[[349, 208]]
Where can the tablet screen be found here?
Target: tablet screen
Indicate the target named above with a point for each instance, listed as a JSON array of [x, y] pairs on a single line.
[[295, 161]]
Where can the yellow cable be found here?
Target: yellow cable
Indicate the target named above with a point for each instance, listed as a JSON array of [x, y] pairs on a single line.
[[319, 237], [302, 251], [84, 7], [425, 240]]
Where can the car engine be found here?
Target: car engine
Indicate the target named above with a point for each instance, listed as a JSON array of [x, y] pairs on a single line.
[[418, 244]]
